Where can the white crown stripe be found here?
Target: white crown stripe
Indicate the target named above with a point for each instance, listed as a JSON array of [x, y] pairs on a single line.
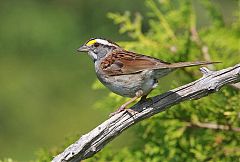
[[104, 42]]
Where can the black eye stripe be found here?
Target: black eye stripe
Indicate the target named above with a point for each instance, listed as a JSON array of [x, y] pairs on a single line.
[[107, 46], [96, 44], [103, 45]]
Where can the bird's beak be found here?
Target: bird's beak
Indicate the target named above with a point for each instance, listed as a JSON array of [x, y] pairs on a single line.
[[83, 48]]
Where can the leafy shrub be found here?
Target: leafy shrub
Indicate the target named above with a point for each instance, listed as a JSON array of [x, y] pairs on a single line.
[[180, 133]]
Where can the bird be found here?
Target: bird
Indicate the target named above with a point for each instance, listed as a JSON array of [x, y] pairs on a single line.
[[127, 73]]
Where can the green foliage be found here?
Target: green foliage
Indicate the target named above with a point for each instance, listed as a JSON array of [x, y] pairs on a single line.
[[7, 160], [174, 35], [45, 84], [173, 30]]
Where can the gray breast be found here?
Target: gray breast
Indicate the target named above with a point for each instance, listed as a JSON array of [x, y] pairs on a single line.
[[128, 85]]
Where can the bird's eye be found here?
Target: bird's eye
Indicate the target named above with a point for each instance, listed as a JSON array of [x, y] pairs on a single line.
[[96, 44]]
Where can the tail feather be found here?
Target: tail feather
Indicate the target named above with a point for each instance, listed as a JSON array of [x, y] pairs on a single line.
[[164, 70], [189, 64]]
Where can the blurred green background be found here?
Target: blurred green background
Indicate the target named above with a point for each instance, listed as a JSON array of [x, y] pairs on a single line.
[[46, 90], [46, 93]]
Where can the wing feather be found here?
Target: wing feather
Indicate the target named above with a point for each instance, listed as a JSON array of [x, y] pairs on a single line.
[[122, 62]]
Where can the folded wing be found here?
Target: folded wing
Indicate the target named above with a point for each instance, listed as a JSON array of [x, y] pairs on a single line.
[[125, 62]]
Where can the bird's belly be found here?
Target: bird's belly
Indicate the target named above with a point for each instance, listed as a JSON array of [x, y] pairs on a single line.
[[128, 85]]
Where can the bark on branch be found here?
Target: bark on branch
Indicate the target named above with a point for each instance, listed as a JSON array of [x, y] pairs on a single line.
[[213, 126], [92, 142]]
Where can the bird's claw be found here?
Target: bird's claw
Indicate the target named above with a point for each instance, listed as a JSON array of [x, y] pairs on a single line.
[[120, 109], [130, 111]]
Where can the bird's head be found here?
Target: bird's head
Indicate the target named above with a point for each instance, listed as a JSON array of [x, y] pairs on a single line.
[[98, 48]]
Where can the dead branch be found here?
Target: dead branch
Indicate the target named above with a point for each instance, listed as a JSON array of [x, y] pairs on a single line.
[[213, 126], [92, 142]]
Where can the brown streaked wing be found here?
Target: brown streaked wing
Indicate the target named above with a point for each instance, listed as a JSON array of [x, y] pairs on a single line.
[[122, 62]]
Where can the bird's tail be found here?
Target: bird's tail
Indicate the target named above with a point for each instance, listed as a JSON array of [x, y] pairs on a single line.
[[189, 64], [167, 68]]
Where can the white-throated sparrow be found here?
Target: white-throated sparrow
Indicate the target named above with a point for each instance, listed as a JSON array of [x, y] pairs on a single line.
[[127, 73]]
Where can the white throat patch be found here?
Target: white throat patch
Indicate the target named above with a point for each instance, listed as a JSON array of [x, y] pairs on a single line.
[[93, 55]]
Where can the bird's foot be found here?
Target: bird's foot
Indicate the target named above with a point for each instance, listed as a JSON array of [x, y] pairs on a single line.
[[120, 109], [123, 107], [131, 112], [145, 99]]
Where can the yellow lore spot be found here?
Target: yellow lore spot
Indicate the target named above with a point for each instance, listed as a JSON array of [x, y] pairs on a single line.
[[91, 42]]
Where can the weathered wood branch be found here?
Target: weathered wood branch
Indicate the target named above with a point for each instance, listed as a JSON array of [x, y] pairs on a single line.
[[92, 142], [213, 126], [236, 86]]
